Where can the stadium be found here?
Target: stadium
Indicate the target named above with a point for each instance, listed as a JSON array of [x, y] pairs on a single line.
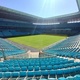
[[36, 48]]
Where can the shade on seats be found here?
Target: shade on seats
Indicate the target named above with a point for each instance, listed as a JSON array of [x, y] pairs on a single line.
[[43, 67], [11, 69], [24, 68], [49, 67], [52, 72], [30, 68], [15, 74], [4, 69], [17, 68], [59, 71], [23, 74], [37, 73], [30, 74], [36, 68], [1, 75], [7, 75], [45, 73]]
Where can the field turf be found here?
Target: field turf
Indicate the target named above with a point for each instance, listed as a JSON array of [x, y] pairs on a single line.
[[37, 41]]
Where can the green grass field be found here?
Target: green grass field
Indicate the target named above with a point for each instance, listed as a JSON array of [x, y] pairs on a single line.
[[37, 41]]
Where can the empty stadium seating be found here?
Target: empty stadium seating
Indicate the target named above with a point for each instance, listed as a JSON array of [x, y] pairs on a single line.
[[50, 68], [10, 28], [9, 49], [66, 48], [39, 67], [10, 33]]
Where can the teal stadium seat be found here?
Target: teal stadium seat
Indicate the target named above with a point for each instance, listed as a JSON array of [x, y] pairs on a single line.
[[23, 74], [70, 78], [6, 74], [62, 78], [77, 77]]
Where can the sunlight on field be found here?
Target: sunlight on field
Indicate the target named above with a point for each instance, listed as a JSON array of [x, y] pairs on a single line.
[[37, 41]]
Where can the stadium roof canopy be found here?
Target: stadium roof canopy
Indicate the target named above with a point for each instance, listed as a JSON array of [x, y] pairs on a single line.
[[8, 13]]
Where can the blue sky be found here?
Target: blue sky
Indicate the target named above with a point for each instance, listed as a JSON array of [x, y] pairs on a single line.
[[42, 8]]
